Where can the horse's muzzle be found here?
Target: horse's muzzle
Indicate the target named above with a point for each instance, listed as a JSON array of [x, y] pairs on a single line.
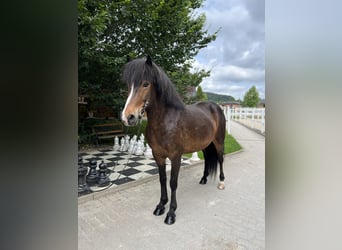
[[131, 120]]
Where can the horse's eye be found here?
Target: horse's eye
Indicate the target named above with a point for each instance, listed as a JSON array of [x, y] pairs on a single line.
[[145, 84]]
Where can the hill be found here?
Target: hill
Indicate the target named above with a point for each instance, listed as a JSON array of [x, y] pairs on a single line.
[[219, 98]]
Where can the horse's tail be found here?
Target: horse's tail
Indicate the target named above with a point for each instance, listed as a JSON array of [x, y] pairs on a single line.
[[211, 159]]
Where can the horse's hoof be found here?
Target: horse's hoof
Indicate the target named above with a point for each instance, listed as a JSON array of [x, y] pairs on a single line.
[[221, 185], [170, 219], [159, 211], [203, 181]]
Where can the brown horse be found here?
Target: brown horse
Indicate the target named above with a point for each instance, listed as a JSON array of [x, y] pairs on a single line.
[[173, 128]]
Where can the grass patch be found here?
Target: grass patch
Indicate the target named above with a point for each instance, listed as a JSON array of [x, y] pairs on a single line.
[[230, 146]]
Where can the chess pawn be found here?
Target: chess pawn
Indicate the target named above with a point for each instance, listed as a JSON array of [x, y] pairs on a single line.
[[142, 145], [103, 179], [135, 146], [142, 137], [92, 175], [127, 140], [139, 150], [123, 144], [132, 145], [148, 152], [116, 146]]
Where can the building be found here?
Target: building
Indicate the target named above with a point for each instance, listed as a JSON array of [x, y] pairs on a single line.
[[262, 104], [231, 104]]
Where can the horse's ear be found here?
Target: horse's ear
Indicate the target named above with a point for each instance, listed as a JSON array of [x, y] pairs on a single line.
[[128, 58], [149, 60]]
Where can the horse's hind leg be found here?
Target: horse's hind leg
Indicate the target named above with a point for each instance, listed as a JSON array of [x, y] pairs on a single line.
[[219, 149], [206, 170], [221, 182]]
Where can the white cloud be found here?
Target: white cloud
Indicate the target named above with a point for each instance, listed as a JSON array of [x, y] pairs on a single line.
[[237, 74], [236, 58]]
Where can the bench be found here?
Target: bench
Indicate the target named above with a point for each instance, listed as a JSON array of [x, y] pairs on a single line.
[[108, 131]]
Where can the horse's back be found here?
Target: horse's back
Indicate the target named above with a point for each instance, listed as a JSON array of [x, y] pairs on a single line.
[[214, 112], [208, 107]]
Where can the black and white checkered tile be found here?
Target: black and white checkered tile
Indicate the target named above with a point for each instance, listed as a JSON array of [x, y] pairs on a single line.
[[123, 167]]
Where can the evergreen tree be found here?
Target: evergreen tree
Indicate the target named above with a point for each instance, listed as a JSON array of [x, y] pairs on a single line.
[[251, 98], [200, 95]]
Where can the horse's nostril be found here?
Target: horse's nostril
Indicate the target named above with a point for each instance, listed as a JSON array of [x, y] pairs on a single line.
[[130, 118]]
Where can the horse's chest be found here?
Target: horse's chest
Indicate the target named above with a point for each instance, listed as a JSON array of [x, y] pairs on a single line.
[[161, 138]]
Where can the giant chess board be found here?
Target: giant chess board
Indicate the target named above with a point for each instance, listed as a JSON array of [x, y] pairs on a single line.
[[123, 167]]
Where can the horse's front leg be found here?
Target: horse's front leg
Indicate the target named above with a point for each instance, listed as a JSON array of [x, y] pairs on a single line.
[[162, 179], [175, 165]]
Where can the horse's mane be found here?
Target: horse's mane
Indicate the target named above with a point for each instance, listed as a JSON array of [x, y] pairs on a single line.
[[138, 70]]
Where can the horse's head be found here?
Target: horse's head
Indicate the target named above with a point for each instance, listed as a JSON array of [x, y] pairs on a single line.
[[138, 74]]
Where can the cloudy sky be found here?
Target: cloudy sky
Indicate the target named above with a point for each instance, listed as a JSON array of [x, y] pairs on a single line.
[[237, 57]]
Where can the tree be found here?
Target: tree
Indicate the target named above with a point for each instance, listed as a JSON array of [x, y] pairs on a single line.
[[183, 79], [251, 98], [169, 31], [200, 95]]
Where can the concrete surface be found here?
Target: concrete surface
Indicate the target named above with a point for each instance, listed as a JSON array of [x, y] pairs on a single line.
[[207, 218]]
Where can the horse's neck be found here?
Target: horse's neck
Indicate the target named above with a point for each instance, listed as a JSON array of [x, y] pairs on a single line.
[[159, 112], [155, 113]]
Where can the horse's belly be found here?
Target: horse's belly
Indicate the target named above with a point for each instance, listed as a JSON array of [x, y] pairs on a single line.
[[195, 146]]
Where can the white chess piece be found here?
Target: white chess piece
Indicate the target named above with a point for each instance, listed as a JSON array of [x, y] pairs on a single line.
[[139, 150], [126, 143], [141, 138], [148, 152], [116, 146], [132, 145], [194, 157], [135, 147], [122, 147]]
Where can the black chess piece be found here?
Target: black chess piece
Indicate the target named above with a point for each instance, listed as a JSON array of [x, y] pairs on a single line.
[[103, 179], [92, 176], [82, 171]]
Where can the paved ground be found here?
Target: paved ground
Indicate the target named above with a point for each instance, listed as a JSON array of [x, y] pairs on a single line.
[[257, 125], [207, 218]]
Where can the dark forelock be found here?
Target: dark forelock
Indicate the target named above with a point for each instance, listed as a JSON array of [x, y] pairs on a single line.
[[138, 70]]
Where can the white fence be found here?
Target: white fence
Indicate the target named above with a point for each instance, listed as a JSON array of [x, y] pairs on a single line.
[[251, 117]]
